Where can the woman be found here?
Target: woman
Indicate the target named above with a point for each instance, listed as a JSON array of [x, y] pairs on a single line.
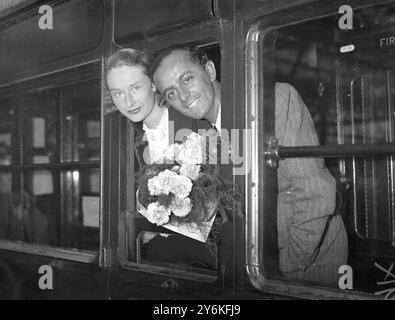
[[135, 96]]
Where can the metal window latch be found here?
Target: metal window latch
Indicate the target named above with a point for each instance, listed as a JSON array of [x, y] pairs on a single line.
[[271, 154]]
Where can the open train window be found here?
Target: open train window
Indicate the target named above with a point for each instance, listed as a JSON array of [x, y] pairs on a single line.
[[341, 82], [50, 162], [153, 246]]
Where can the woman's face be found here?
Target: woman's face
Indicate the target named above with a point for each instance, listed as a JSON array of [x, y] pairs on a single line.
[[132, 91]]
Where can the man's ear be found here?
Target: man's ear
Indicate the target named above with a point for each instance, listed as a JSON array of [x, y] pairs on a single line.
[[210, 68], [160, 100]]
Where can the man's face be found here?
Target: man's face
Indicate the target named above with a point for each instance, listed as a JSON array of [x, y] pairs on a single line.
[[186, 85], [132, 92]]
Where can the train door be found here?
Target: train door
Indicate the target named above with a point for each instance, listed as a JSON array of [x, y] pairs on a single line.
[[345, 78], [148, 261], [51, 149]]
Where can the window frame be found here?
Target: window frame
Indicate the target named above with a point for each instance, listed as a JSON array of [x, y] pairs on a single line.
[[212, 31], [71, 254], [261, 181]]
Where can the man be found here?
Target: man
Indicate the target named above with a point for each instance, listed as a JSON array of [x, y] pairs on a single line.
[[312, 241], [189, 84]]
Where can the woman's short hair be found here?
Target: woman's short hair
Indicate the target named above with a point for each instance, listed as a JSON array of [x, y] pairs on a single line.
[[130, 57]]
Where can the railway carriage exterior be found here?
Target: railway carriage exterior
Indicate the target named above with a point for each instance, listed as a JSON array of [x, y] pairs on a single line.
[[68, 168]]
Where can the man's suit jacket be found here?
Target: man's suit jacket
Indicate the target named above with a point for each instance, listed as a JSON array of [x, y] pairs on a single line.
[[183, 122], [306, 199]]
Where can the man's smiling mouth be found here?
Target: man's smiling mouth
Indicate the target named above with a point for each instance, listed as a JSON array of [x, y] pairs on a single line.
[[193, 104]]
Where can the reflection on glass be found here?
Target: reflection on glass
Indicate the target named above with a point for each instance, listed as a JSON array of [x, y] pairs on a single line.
[[40, 112], [38, 214], [370, 121], [52, 125], [6, 204], [351, 98], [87, 135], [6, 131]]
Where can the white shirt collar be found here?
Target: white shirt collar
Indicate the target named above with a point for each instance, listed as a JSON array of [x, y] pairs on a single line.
[[158, 138], [217, 123]]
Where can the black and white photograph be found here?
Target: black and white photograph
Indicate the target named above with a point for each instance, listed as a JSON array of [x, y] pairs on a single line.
[[197, 154]]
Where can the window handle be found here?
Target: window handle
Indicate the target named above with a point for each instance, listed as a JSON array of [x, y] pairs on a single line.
[[275, 152], [271, 154]]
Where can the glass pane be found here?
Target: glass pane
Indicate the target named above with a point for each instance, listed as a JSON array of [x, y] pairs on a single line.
[[369, 122], [7, 218], [349, 94], [140, 19], [87, 136], [38, 214], [56, 125], [47, 47], [40, 111], [7, 127]]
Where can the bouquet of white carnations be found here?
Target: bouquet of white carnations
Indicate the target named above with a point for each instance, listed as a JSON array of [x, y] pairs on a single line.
[[185, 193]]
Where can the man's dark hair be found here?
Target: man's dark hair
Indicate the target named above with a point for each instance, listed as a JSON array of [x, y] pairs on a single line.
[[196, 53], [130, 57]]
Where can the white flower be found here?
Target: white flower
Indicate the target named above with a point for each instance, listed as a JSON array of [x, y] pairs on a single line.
[[190, 171], [172, 151], [181, 186], [167, 178], [154, 186], [157, 214], [162, 183], [181, 207]]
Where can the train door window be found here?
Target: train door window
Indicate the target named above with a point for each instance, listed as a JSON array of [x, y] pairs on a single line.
[[320, 85], [50, 160], [155, 246]]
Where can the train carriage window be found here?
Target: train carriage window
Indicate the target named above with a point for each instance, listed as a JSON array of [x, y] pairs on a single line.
[[72, 17], [346, 81], [50, 160], [156, 246], [142, 19]]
